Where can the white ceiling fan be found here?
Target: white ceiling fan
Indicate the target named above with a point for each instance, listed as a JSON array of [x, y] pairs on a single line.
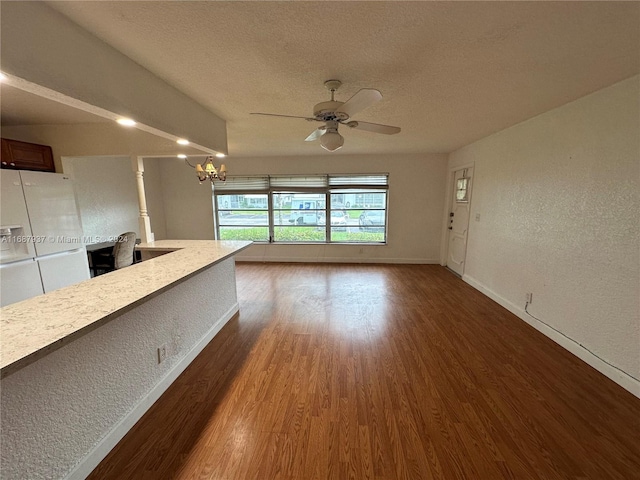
[[334, 113]]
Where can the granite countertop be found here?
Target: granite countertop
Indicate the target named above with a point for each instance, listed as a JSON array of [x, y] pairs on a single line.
[[32, 328]]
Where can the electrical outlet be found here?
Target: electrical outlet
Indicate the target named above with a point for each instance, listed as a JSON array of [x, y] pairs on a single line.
[[162, 353], [529, 297]]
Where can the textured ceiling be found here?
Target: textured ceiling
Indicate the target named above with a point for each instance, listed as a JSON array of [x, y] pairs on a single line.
[[450, 72]]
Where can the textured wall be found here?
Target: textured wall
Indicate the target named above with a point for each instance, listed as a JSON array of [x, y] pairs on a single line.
[[106, 193], [188, 205], [559, 200], [55, 411], [416, 195], [154, 197]]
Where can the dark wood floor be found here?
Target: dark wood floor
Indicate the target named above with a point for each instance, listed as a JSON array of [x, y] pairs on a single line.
[[380, 372]]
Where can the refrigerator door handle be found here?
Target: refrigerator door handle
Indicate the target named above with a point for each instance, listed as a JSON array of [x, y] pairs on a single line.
[[61, 254], [17, 263]]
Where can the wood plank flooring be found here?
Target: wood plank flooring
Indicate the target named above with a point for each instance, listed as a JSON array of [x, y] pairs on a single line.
[[380, 372]]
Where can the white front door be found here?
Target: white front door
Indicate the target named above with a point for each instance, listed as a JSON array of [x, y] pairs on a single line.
[[459, 219]]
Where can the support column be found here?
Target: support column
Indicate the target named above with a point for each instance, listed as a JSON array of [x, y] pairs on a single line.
[[144, 222]]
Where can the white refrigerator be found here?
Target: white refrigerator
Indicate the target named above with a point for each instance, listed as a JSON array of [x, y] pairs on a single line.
[[41, 244]]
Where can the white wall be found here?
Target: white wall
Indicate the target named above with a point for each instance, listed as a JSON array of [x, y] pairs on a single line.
[[63, 413], [106, 193], [188, 205], [155, 198], [416, 192], [559, 200]]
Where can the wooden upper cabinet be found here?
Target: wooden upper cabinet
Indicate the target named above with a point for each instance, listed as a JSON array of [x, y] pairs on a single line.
[[27, 156]]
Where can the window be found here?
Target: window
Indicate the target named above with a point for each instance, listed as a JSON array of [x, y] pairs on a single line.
[[243, 216], [298, 217], [462, 188], [295, 208]]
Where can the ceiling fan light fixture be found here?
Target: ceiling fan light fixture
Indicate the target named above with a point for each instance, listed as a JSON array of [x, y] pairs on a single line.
[[334, 113], [332, 141]]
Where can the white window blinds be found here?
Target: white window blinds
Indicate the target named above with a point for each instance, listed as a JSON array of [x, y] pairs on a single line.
[[301, 182]]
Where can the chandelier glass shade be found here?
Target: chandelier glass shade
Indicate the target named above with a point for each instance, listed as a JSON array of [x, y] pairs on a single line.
[[208, 171]]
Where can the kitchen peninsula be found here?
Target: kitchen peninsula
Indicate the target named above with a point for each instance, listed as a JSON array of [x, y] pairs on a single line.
[[82, 364]]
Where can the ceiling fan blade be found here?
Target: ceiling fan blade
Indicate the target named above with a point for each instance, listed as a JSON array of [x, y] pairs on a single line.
[[287, 116], [374, 127], [362, 99], [316, 134]]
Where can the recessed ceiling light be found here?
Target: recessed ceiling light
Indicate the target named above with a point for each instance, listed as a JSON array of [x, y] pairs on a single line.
[[182, 141], [3, 77], [182, 155], [220, 155], [127, 122]]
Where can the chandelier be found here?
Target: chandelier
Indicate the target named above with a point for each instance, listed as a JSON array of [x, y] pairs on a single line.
[[208, 170]]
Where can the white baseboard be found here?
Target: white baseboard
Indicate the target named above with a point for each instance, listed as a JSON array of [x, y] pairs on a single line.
[[624, 380], [95, 456], [412, 261]]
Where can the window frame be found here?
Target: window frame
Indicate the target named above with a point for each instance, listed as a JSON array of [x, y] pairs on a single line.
[[323, 184], [217, 210]]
